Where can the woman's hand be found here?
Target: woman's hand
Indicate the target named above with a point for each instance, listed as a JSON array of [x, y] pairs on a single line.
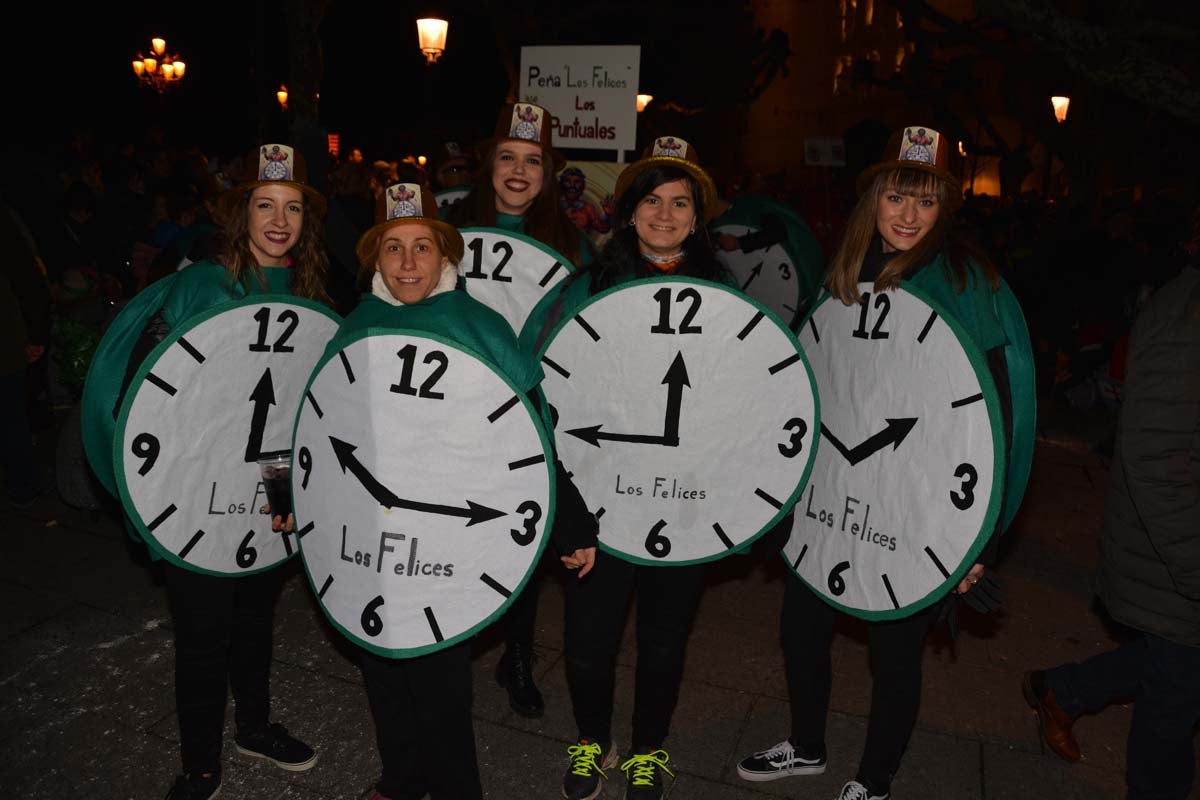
[[582, 559], [970, 579], [277, 523]]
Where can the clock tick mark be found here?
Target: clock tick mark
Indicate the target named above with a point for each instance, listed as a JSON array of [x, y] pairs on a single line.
[[928, 324], [433, 626], [725, 540], [599, 512], [287, 542], [325, 587], [768, 498], [346, 364], [546, 360], [312, 400], [757, 318], [162, 517], [187, 548], [160, 383], [300, 533], [583, 323], [799, 558], [937, 562], [492, 582], [812, 326], [966, 401], [782, 365], [550, 274], [504, 409], [191, 350], [526, 462], [891, 594]]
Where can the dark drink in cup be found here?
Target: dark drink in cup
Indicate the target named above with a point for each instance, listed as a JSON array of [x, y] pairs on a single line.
[[276, 470]]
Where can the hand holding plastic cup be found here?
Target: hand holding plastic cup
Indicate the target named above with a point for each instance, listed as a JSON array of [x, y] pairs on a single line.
[[276, 470]]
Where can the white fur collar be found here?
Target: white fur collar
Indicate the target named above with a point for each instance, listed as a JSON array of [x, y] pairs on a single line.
[[446, 283]]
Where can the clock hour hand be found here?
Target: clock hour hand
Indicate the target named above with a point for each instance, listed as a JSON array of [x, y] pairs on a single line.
[[263, 398], [893, 434], [675, 379], [344, 451]]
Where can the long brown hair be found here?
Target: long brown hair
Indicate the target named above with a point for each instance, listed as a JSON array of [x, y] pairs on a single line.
[[847, 261], [544, 220], [309, 261]]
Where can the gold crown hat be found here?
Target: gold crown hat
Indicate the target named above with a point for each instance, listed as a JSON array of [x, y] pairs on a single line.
[[671, 151], [524, 122], [406, 204], [273, 163], [918, 147]]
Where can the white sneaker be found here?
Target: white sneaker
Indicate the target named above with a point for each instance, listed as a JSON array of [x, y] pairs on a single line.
[[781, 761], [856, 791]]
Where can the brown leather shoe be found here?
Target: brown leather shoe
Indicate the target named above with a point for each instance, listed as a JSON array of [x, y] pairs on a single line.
[[1053, 721]]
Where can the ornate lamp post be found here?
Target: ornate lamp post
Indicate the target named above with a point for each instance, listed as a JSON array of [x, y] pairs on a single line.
[[1060, 103], [159, 71], [431, 36]]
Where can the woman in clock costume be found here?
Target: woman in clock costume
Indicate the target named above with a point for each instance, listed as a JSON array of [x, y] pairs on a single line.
[[422, 705], [223, 625], [663, 203], [897, 235], [515, 190]]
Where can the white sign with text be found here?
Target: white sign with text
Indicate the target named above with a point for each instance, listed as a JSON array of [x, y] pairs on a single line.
[[590, 91]]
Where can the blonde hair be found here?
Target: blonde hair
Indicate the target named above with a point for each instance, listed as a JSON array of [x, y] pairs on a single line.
[[861, 229]]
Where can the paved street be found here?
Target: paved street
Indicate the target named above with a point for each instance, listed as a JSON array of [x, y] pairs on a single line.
[[86, 674]]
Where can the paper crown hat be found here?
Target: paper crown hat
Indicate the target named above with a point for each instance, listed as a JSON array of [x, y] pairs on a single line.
[[406, 204], [274, 163], [524, 122], [671, 151], [918, 147]]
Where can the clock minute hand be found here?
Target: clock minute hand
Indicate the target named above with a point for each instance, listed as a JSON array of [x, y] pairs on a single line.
[[895, 432], [675, 379], [473, 512], [263, 398]]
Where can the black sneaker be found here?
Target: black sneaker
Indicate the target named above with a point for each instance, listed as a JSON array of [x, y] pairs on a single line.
[[644, 778], [514, 672], [195, 787], [583, 779], [274, 744], [781, 761], [857, 791]]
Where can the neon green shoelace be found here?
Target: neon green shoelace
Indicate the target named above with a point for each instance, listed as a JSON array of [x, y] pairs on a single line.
[[643, 766], [583, 759]]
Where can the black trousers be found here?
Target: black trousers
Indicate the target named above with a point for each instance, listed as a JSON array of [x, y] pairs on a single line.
[[521, 617], [223, 636], [896, 649], [595, 615], [422, 712]]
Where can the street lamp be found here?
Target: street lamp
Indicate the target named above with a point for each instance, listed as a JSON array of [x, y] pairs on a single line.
[[431, 37], [282, 96], [158, 70], [1061, 104], [643, 100]]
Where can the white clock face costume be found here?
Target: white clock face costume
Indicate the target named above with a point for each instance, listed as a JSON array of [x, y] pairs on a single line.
[[687, 415], [768, 275], [909, 471], [508, 272], [218, 392], [422, 488]]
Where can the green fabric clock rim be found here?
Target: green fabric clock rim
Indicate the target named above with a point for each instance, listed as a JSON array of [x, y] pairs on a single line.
[[148, 363], [812, 451], [991, 399], [336, 345]]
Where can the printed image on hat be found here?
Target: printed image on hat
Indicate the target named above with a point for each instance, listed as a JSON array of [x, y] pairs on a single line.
[[275, 163], [918, 147], [527, 123], [671, 151], [400, 199], [407, 204]]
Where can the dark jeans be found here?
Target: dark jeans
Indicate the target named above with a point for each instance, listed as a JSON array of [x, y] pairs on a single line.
[[16, 438], [521, 617], [595, 615], [896, 650], [223, 629], [1163, 679], [422, 712]]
